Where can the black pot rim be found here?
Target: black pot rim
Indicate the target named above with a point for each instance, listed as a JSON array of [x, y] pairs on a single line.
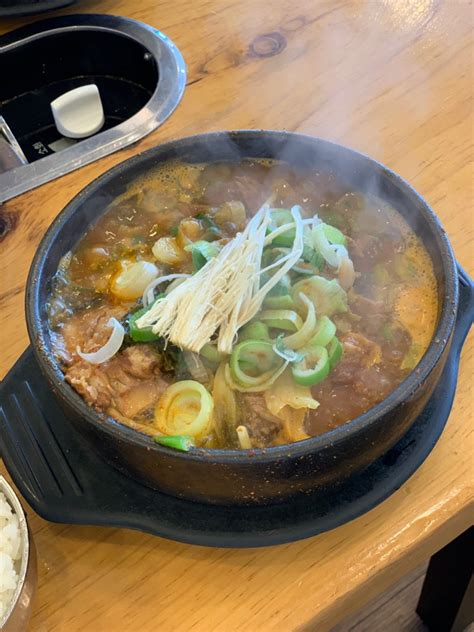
[[107, 424]]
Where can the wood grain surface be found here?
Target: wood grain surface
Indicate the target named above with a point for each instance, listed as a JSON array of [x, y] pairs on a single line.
[[391, 78]]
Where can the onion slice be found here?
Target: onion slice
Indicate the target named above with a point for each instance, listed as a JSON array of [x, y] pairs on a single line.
[[149, 293], [110, 348]]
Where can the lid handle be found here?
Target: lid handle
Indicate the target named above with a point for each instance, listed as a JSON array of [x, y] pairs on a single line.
[[78, 113]]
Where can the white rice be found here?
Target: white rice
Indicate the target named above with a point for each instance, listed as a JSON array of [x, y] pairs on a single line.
[[10, 553]]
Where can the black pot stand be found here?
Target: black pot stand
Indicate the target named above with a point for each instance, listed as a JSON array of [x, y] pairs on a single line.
[[65, 482]]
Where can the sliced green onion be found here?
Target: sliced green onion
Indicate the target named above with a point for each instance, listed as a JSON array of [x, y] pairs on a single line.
[[281, 288], [202, 252], [312, 261], [270, 378], [334, 235], [308, 248], [282, 217], [335, 351], [286, 319], [210, 353], [258, 355], [314, 367], [185, 408], [324, 247], [325, 332], [310, 255], [317, 260], [255, 330], [327, 295], [252, 362], [304, 334], [178, 442], [279, 302], [279, 296]]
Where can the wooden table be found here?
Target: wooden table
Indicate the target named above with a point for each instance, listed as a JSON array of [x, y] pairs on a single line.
[[392, 78]]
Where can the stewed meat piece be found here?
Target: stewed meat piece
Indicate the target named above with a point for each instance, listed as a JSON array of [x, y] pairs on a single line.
[[88, 329], [130, 382], [91, 383], [263, 427]]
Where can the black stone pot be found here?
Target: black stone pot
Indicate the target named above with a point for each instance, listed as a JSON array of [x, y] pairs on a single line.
[[256, 476]]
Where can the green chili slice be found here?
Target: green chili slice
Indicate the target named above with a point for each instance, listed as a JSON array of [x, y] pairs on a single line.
[[177, 442], [335, 351], [202, 252], [314, 367], [325, 332], [145, 334]]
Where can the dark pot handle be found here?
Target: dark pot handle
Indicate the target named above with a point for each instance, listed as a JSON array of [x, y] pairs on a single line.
[[465, 316]]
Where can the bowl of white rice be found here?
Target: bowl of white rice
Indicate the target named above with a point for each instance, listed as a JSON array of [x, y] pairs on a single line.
[[17, 562]]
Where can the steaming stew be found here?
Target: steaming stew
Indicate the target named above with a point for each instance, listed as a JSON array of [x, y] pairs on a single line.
[[241, 305]]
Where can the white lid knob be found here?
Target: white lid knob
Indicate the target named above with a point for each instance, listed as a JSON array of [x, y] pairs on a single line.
[[79, 112]]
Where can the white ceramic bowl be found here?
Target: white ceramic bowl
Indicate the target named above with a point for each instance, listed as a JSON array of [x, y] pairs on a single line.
[[18, 613]]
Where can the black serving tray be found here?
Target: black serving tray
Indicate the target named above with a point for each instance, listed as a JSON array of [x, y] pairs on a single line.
[[65, 482]]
